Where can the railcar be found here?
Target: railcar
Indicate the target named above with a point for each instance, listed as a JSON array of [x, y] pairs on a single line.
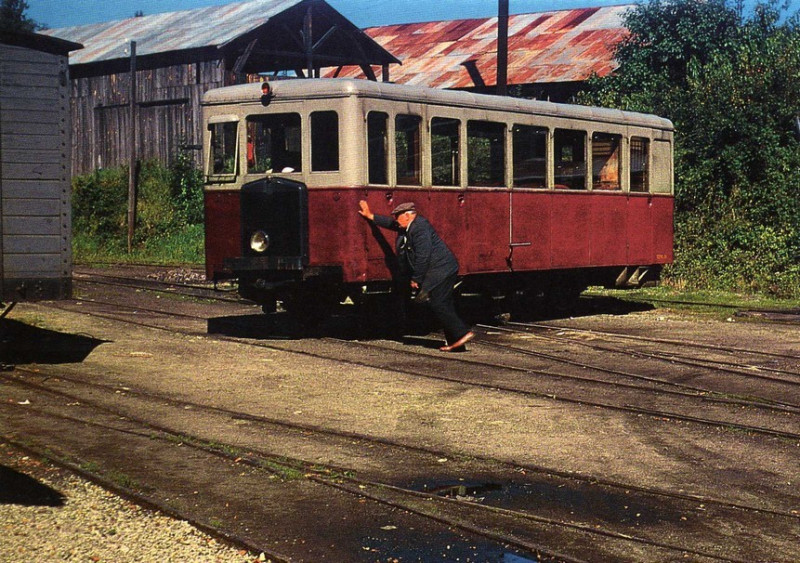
[[530, 195], [35, 226]]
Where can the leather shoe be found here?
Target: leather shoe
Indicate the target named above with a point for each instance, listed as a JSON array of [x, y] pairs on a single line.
[[458, 343]]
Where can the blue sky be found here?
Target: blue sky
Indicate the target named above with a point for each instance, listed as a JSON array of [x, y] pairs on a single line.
[[364, 13]]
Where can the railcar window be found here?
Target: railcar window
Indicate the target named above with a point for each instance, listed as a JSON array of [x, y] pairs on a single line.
[[661, 177], [486, 153], [273, 143], [378, 147], [407, 145], [324, 141], [445, 151], [640, 164], [570, 159], [223, 148], [606, 161], [530, 156]]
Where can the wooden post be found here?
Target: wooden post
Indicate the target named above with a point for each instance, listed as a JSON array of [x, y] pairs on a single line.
[[502, 48], [133, 152], [308, 44]]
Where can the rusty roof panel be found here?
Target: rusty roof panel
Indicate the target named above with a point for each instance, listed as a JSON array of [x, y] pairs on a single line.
[[577, 17], [555, 46]]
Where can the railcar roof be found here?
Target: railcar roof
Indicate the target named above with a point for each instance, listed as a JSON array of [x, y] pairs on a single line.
[[319, 88]]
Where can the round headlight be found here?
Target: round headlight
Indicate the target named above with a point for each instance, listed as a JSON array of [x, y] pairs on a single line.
[[259, 242]]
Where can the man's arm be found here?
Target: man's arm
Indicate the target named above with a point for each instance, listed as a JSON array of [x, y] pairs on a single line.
[[380, 220], [364, 211]]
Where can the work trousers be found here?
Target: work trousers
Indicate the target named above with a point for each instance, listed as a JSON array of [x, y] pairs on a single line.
[[443, 306]]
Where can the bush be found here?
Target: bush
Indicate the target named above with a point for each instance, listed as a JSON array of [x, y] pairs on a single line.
[[169, 213], [186, 184], [734, 254], [99, 203], [729, 83]]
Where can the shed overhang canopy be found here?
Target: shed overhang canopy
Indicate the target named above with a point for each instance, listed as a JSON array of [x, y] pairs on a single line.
[[259, 35]]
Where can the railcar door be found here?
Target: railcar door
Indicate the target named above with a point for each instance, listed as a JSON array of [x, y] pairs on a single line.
[[640, 230], [487, 196], [530, 206]]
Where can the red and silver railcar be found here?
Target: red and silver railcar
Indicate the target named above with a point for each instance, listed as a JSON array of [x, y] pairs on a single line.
[[530, 195]]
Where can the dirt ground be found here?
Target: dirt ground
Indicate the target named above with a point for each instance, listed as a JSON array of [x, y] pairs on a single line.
[[332, 384]]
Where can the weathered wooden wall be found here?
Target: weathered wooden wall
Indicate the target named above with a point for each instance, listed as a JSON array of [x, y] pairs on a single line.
[[168, 107], [35, 218]]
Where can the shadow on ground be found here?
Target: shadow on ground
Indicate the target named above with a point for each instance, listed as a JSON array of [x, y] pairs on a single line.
[[543, 309], [414, 325], [21, 343], [18, 488]]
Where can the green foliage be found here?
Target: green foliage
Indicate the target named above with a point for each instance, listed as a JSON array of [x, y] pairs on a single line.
[[187, 188], [169, 213], [731, 85], [99, 203], [13, 18], [730, 253]]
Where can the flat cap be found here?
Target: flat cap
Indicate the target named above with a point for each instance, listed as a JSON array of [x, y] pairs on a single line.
[[403, 207]]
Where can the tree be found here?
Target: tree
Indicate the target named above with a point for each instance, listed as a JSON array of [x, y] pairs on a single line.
[[13, 18], [731, 85]]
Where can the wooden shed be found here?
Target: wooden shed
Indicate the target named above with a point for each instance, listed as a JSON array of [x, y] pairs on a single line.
[[178, 56], [35, 225]]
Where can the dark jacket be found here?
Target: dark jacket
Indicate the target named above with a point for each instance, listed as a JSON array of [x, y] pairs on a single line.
[[422, 255]]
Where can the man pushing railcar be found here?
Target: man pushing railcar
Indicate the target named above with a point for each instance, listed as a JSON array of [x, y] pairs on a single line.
[[431, 266]]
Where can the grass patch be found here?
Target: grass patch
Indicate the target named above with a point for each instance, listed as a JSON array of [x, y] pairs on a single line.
[[184, 247], [717, 303]]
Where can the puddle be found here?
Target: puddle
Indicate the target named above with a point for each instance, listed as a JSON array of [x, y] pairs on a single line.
[[514, 558], [474, 491], [563, 499]]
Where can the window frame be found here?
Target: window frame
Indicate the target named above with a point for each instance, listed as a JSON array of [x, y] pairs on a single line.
[[547, 160], [313, 141], [503, 145], [254, 119], [222, 177], [387, 147], [597, 184], [456, 153], [647, 174], [417, 157], [557, 160]]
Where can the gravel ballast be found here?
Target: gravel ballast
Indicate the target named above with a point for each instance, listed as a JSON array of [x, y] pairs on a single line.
[[89, 523]]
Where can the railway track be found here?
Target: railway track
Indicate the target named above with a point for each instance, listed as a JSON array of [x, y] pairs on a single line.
[[638, 394], [446, 499], [497, 364], [677, 347]]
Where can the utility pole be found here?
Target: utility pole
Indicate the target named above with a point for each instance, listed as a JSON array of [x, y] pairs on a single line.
[[308, 43], [502, 48], [133, 155]]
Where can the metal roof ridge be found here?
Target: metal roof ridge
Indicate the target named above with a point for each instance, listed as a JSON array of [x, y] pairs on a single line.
[[556, 11], [148, 17]]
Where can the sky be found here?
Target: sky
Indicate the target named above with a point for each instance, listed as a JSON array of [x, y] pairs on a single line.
[[364, 13]]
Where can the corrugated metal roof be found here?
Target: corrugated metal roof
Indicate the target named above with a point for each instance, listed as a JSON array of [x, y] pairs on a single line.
[[173, 31], [557, 46]]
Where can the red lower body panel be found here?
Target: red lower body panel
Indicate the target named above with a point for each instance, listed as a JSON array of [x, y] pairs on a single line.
[[489, 231]]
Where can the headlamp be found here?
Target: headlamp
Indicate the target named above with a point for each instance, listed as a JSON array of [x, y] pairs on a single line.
[[259, 241]]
